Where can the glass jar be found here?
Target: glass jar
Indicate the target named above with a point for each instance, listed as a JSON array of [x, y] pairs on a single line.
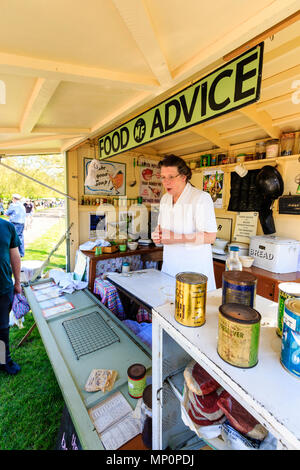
[[272, 148], [233, 262], [214, 160], [240, 158], [260, 150], [287, 143], [125, 267]]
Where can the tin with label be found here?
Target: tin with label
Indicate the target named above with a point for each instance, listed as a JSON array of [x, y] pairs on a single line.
[[238, 335], [290, 345], [239, 287], [287, 290], [190, 298], [136, 380]]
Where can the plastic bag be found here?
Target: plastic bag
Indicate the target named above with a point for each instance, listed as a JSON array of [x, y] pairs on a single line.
[[20, 306]]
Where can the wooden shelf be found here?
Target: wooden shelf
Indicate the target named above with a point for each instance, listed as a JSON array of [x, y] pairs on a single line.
[[250, 164]]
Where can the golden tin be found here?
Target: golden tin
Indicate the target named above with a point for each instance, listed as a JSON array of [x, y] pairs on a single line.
[[190, 298], [287, 290], [238, 338], [239, 287]]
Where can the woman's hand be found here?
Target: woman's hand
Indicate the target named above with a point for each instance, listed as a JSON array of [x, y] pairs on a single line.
[[156, 235]]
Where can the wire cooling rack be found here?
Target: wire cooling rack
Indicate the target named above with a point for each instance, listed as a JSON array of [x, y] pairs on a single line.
[[88, 333]]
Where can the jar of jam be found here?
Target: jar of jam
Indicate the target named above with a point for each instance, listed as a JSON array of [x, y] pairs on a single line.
[[287, 143], [260, 150], [272, 148]]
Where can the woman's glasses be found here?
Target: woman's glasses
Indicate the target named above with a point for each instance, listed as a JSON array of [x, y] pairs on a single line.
[[168, 178]]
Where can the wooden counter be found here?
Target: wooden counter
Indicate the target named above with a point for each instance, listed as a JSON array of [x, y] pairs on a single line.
[[267, 282], [149, 253]]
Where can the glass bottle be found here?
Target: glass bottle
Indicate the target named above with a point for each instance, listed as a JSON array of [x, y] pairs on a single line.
[[233, 262]]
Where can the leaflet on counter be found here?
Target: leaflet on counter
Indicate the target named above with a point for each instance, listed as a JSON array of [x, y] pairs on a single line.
[[64, 307], [114, 421], [48, 293]]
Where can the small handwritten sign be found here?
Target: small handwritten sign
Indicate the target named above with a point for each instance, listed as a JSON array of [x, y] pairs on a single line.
[[107, 178], [245, 226]]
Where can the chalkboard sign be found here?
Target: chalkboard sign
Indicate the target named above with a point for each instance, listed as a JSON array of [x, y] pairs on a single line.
[[109, 178], [67, 438]]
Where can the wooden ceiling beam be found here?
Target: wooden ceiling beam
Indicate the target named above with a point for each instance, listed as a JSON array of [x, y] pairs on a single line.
[[289, 74], [31, 66], [212, 135], [62, 130], [140, 25], [280, 51], [261, 37], [262, 119], [32, 140], [41, 94]]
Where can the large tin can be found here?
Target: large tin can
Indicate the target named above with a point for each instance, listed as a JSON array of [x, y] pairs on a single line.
[[287, 290], [290, 345], [239, 287], [238, 334], [190, 298]]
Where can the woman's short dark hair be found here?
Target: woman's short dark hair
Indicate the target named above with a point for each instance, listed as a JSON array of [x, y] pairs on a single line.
[[173, 160]]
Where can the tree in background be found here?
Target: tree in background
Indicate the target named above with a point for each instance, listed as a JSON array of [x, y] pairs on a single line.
[[48, 169]]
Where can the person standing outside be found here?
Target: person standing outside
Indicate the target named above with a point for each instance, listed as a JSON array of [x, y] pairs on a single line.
[[17, 216], [10, 263], [29, 212], [186, 223]]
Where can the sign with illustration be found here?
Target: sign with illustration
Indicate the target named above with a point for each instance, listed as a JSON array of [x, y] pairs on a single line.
[[104, 177], [213, 184], [150, 183], [232, 86]]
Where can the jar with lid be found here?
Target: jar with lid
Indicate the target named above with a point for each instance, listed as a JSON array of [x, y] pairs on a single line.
[[240, 158], [214, 160], [272, 148], [260, 150], [146, 417], [136, 380], [233, 262], [287, 143], [125, 267]]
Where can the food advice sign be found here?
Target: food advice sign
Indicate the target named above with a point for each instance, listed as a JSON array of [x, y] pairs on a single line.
[[230, 87]]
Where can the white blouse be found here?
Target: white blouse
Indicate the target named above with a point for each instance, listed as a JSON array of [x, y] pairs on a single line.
[[192, 212]]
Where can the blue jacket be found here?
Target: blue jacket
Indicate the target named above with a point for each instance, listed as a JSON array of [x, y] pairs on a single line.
[[16, 213]]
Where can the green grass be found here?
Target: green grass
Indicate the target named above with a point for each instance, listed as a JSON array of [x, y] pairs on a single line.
[[31, 402]]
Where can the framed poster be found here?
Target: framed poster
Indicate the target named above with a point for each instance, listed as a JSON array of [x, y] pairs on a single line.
[[109, 178], [150, 182], [213, 184]]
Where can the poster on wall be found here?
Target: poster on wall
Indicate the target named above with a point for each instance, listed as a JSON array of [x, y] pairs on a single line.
[[150, 183], [107, 178], [213, 184]]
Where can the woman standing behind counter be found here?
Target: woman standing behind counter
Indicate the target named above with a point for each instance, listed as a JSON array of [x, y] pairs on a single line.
[[186, 223]]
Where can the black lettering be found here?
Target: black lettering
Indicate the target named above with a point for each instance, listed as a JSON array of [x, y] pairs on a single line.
[[100, 147], [107, 140], [211, 96], [189, 113], [203, 98], [241, 77], [168, 124], [115, 145], [157, 122], [124, 132]]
